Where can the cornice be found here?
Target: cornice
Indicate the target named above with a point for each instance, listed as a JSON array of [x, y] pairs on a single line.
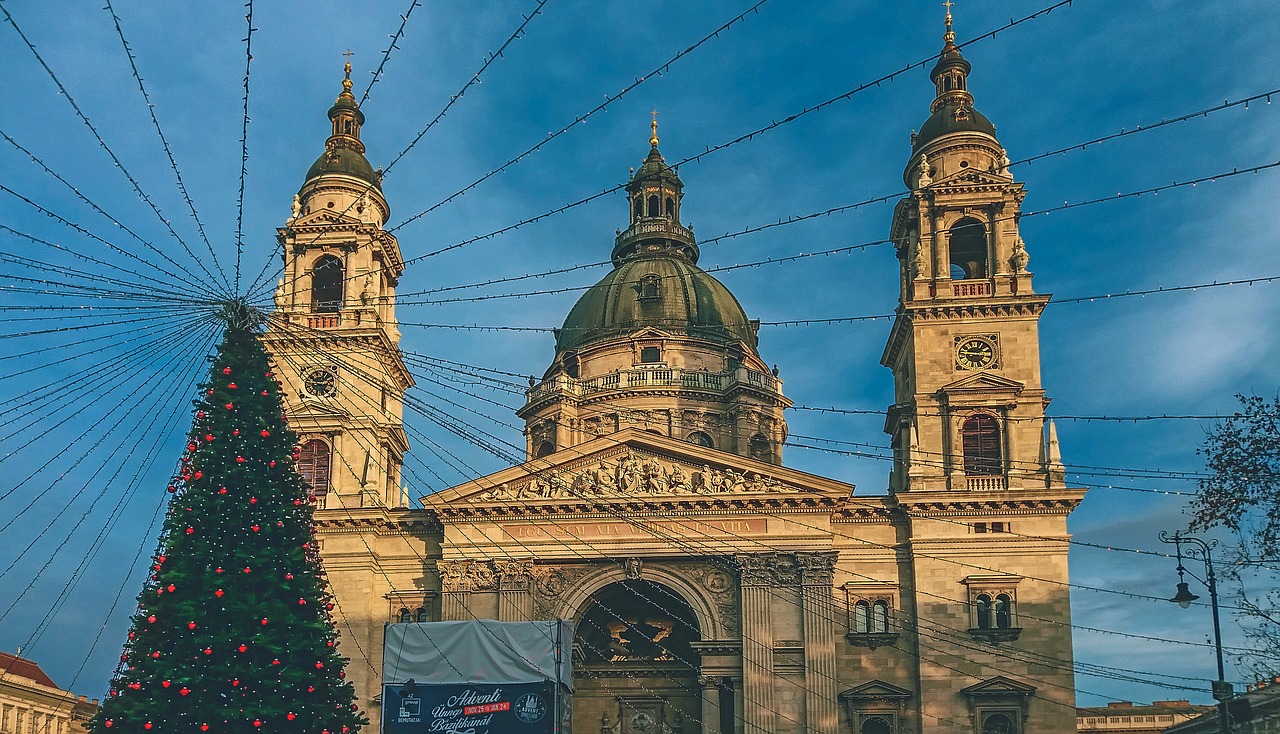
[[1011, 502], [657, 507]]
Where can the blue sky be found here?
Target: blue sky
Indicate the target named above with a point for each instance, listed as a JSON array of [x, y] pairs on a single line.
[[1079, 73]]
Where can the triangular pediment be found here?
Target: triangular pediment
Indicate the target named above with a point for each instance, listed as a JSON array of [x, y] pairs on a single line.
[[650, 332], [876, 690], [973, 177], [634, 466], [315, 410], [999, 686], [983, 382], [326, 217]]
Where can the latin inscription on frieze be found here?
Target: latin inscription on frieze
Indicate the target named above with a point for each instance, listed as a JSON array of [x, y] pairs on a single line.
[[657, 529]]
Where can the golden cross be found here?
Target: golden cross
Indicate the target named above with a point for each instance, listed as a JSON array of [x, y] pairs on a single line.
[[349, 53]]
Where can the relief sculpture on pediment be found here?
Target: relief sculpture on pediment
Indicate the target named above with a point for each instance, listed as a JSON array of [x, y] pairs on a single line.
[[633, 475]]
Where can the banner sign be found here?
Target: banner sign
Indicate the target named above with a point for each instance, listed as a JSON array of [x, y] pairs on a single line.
[[485, 708]]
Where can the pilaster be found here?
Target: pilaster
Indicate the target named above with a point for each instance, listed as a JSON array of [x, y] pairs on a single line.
[[759, 714], [817, 579]]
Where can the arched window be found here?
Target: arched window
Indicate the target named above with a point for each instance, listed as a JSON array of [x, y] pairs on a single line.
[[671, 207], [760, 448], [1004, 611], [982, 607], [420, 615], [969, 248], [638, 208], [405, 616], [875, 725], [980, 438], [880, 616], [313, 465], [862, 617], [546, 448], [326, 285], [998, 723], [654, 211], [701, 438]]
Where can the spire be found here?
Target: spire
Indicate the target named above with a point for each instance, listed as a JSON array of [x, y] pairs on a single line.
[[950, 74], [948, 38], [654, 193], [346, 115], [653, 136]]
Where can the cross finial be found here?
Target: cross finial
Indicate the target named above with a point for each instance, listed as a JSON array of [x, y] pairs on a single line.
[[950, 35], [653, 138]]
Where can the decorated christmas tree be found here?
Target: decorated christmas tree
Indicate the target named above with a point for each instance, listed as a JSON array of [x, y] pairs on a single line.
[[233, 631]]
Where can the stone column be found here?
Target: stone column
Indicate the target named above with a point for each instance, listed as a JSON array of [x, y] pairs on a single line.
[[818, 606], [515, 602], [710, 704], [759, 714]]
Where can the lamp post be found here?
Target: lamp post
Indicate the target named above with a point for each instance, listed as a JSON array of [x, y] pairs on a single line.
[[1221, 688]]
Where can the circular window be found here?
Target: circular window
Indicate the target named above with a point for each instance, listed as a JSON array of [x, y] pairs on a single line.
[[320, 383]]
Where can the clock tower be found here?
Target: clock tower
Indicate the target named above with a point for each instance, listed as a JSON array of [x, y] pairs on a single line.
[[968, 411], [333, 335]]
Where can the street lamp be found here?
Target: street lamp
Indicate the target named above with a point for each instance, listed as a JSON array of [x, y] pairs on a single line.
[[1221, 688]]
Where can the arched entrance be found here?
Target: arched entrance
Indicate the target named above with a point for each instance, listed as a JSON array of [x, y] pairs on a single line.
[[635, 667]]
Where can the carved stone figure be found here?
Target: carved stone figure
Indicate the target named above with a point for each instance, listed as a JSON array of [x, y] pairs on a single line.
[[296, 208], [1019, 259], [925, 170], [366, 294], [631, 568]]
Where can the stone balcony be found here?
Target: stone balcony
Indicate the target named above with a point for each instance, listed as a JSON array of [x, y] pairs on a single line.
[[656, 376]]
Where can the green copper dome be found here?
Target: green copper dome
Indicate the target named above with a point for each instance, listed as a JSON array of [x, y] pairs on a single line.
[[347, 162], [953, 118], [686, 300]]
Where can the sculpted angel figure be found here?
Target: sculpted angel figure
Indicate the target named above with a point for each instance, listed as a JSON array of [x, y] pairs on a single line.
[[678, 481]]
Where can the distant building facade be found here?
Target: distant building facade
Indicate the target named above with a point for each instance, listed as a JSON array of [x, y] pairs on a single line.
[[713, 589], [1124, 717], [31, 703], [1256, 711]]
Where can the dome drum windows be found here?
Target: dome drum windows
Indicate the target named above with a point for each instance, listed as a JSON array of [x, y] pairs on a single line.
[[649, 288]]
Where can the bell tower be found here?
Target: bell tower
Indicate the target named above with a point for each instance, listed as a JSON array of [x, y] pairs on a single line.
[[333, 336], [968, 412]]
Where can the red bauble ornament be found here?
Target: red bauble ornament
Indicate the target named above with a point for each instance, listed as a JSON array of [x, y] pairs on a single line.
[[184, 690], [235, 682], [198, 475], [191, 447], [302, 602], [222, 490], [239, 459], [236, 432], [204, 727], [242, 648], [329, 607], [288, 577], [230, 406], [208, 651], [218, 569], [226, 370], [209, 391], [171, 588], [276, 661], [319, 665], [219, 593], [257, 722], [165, 683], [311, 689], [264, 393], [254, 528], [342, 674], [172, 489], [162, 559], [265, 433], [354, 707], [231, 386], [272, 464], [191, 625], [253, 500], [208, 437], [152, 619], [268, 373], [246, 569], [264, 621], [297, 503], [156, 654], [147, 725], [199, 413], [108, 723], [190, 531], [291, 716]]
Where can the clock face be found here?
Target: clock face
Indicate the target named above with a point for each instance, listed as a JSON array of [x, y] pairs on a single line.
[[320, 383], [975, 353]]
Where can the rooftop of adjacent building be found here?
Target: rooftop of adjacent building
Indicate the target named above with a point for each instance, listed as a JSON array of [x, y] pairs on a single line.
[[12, 665]]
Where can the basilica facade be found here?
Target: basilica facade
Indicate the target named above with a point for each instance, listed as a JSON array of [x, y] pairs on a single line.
[[713, 589]]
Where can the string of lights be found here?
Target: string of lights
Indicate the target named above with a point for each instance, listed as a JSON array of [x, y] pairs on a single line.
[[386, 55], [793, 219], [103, 143], [581, 119], [164, 143], [244, 139]]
